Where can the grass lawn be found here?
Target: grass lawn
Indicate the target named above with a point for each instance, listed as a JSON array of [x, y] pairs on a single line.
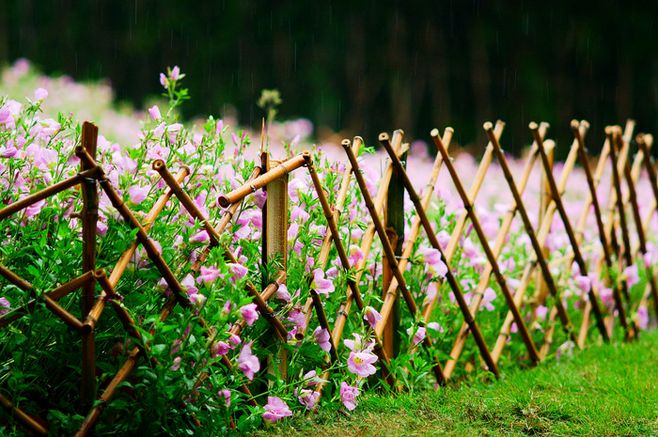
[[604, 390]]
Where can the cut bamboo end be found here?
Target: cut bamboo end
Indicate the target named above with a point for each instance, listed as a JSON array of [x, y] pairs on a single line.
[[575, 125], [434, 133], [223, 201], [533, 126], [451, 130], [345, 143], [487, 126], [648, 139], [383, 136], [158, 165]]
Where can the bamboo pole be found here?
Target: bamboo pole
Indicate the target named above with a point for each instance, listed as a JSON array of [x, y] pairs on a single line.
[[274, 245], [530, 231], [582, 153], [390, 255], [644, 142], [342, 255], [527, 339], [460, 223], [14, 278], [34, 424], [323, 257], [394, 224], [46, 192], [280, 170], [55, 294], [196, 213], [366, 244], [151, 216], [476, 301], [147, 243], [108, 393], [89, 218], [567, 224], [542, 235], [452, 281], [612, 201], [637, 219], [614, 136], [541, 289]]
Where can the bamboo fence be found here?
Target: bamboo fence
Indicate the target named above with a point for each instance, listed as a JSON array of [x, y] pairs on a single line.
[[384, 233]]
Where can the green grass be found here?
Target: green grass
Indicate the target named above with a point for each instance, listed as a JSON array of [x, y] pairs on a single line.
[[603, 390]]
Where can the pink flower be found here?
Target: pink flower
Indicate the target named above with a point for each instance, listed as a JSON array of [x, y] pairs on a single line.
[[283, 294], [173, 130], [163, 80], [5, 306], [432, 257], [444, 239], [35, 208], [176, 364], [356, 255], [198, 299], [419, 335], [40, 94], [357, 344], [293, 230], [226, 394], [488, 296], [323, 339], [348, 395], [361, 363], [174, 74], [372, 316], [431, 292], [275, 410], [220, 348], [200, 237], [249, 313], [235, 340], [643, 317], [296, 316], [248, 362], [137, 194], [320, 284], [208, 275], [584, 283], [260, 197], [188, 283], [435, 326], [607, 297], [5, 116], [239, 271], [154, 112], [541, 312], [298, 214], [632, 275], [307, 398]]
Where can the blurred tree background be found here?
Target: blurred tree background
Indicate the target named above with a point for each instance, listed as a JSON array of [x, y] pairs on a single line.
[[363, 66]]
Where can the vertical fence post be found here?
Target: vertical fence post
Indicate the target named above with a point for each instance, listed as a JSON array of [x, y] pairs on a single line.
[[275, 237], [541, 291], [89, 219], [394, 219]]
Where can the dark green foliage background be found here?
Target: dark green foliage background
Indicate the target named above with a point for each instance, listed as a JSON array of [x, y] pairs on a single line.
[[363, 66]]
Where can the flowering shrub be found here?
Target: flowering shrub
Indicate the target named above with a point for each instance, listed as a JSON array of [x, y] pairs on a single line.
[[184, 382]]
